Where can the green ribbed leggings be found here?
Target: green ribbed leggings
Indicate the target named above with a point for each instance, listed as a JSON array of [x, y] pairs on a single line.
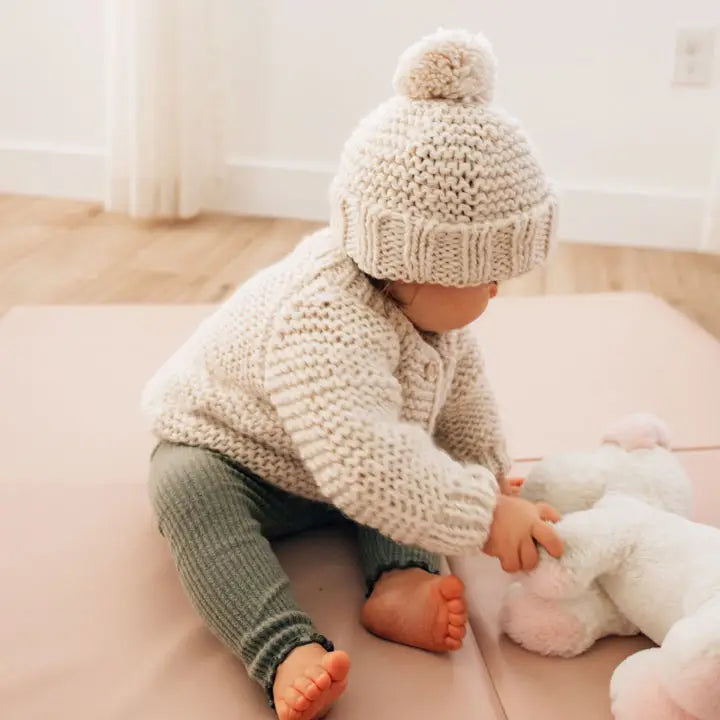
[[218, 519]]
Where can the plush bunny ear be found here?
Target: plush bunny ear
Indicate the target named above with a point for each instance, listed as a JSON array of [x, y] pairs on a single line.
[[641, 431], [576, 481], [569, 481]]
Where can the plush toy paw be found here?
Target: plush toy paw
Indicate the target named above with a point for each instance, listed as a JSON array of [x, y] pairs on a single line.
[[691, 662], [548, 627], [697, 688], [552, 580], [565, 627], [650, 685], [637, 692]]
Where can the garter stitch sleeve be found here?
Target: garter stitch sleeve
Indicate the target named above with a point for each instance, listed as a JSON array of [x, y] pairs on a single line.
[[469, 426], [330, 375]]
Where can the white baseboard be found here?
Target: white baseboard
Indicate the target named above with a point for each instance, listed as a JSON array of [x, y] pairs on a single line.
[[711, 241], [52, 170], [277, 189], [638, 218], [599, 215], [596, 215]]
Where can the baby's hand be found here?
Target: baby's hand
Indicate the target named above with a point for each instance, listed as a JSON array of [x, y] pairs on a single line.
[[511, 486], [516, 525]]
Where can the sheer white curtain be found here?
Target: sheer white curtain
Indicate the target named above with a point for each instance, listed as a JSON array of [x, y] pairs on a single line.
[[162, 107]]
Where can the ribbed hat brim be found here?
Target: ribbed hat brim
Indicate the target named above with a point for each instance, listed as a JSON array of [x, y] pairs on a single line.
[[395, 246]]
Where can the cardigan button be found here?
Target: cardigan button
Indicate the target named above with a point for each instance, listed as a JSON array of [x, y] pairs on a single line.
[[431, 372]]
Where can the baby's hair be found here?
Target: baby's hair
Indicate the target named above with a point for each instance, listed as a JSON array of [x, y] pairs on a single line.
[[383, 286]]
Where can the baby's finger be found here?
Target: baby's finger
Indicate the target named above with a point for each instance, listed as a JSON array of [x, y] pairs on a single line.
[[545, 534], [513, 486], [529, 556], [548, 512], [510, 561]]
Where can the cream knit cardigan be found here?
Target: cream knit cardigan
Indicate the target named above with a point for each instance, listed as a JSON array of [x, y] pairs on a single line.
[[314, 380]]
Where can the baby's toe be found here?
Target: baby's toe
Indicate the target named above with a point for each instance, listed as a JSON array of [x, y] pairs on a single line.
[[457, 632], [452, 588], [320, 676], [457, 606], [282, 710], [337, 665], [295, 700], [285, 712], [453, 643], [307, 687], [457, 618]]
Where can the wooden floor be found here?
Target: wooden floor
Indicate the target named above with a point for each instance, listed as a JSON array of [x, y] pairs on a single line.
[[58, 251]]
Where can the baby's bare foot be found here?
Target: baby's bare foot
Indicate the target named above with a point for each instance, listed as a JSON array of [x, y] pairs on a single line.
[[417, 608], [309, 681]]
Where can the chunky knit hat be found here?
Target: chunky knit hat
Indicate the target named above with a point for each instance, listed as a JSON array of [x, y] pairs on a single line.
[[437, 185]]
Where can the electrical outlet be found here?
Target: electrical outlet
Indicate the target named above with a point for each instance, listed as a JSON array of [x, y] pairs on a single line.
[[694, 56]]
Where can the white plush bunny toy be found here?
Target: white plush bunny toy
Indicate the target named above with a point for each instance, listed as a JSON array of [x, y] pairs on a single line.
[[633, 563]]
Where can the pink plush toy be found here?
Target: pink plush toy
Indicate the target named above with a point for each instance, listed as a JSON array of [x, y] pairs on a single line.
[[634, 563]]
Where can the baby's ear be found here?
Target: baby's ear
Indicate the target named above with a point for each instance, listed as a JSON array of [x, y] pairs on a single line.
[[569, 481]]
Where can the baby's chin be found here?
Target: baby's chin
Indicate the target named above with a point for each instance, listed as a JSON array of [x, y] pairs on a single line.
[[439, 329], [443, 323]]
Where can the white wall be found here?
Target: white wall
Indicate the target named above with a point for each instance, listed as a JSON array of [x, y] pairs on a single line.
[[52, 97], [590, 80]]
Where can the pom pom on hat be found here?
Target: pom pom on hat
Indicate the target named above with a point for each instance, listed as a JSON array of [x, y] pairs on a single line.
[[448, 65]]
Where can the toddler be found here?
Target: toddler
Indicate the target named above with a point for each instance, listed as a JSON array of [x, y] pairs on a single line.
[[341, 385]]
